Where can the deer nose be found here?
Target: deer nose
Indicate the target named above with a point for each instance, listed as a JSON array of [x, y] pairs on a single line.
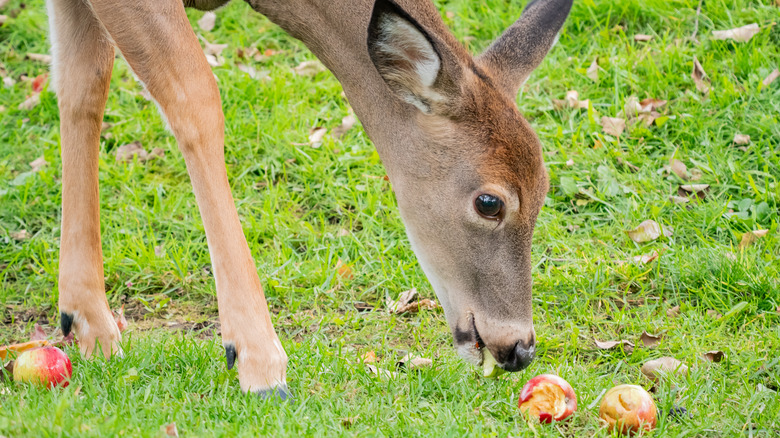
[[519, 356]]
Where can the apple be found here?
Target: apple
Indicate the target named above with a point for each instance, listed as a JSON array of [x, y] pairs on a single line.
[[548, 397], [490, 368], [46, 366], [629, 408]]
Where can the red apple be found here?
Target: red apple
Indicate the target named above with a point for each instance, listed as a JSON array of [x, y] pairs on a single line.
[[548, 397], [629, 408], [46, 366]]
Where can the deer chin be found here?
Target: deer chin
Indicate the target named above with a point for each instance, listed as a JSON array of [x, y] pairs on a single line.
[[468, 343]]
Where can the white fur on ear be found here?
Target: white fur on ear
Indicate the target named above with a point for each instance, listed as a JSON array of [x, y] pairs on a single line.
[[407, 61]]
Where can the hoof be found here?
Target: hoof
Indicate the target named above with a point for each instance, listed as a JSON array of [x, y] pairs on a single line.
[[66, 323], [280, 393], [230, 355]]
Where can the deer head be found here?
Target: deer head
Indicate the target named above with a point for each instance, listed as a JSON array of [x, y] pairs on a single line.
[[473, 180]]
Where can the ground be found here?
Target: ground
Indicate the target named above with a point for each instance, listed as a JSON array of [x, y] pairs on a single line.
[[304, 208]]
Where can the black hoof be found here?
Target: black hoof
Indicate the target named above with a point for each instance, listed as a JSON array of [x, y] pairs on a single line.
[[280, 393], [230, 355], [66, 322]]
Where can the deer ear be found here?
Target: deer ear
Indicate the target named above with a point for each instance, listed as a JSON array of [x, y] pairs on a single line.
[[522, 47], [408, 59]]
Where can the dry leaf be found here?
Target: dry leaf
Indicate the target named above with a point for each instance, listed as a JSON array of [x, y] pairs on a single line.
[[31, 102], [679, 199], [316, 135], [646, 258], [652, 103], [411, 362], [254, 73], [20, 235], [214, 61], [309, 68], [38, 334], [593, 71], [771, 78], [344, 270], [700, 77], [46, 59], [127, 152], [213, 49], [642, 37], [649, 340], [207, 21], [625, 345], [714, 356], [680, 169], [689, 190], [381, 372], [368, 357], [18, 348], [121, 321], [658, 368], [39, 82], [739, 34], [714, 314], [572, 100], [741, 139], [9, 81], [346, 124], [404, 304], [647, 231], [171, 430], [750, 237], [38, 164], [673, 312], [613, 126]]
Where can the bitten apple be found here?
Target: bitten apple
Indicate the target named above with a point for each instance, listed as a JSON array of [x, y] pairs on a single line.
[[548, 397], [490, 368], [46, 366], [629, 408]]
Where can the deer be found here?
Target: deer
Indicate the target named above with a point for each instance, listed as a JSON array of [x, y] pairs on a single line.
[[466, 167]]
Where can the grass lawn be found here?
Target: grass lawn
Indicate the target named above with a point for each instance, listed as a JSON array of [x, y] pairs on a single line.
[[305, 208]]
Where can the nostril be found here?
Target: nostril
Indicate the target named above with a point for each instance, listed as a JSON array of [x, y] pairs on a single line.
[[521, 356]]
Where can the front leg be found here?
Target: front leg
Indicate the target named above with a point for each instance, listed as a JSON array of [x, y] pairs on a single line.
[[166, 56]]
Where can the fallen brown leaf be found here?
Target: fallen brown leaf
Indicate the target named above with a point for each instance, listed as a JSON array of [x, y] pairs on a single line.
[[126, 153], [665, 366], [714, 356], [750, 237], [18, 348], [316, 135], [213, 49], [121, 321], [690, 190], [771, 77], [714, 314], [38, 334], [254, 73], [679, 199], [653, 103], [741, 139], [347, 123], [572, 100], [647, 231], [404, 304], [38, 164], [40, 57], [680, 169], [739, 34], [593, 71], [20, 235], [344, 270], [207, 21], [31, 102], [39, 82], [381, 372], [642, 37], [368, 357], [623, 344], [309, 68], [171, 430], [613, 126], [673, 312], [649, 340], [411, 362], [646, 258], [699, 77]]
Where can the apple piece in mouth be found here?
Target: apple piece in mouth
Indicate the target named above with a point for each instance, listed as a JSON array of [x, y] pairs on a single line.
[[629, 409], [490, 368], [547, 397]]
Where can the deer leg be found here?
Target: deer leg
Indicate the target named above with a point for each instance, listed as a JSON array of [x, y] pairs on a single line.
[[82, 62], [157, 41]]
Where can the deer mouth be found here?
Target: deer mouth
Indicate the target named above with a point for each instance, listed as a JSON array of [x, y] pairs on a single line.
[[468, 341]]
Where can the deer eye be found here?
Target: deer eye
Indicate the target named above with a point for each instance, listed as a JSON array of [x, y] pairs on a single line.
[[489, 206]]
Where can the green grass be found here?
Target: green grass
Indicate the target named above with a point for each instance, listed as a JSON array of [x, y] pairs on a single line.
[[294, 200]]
